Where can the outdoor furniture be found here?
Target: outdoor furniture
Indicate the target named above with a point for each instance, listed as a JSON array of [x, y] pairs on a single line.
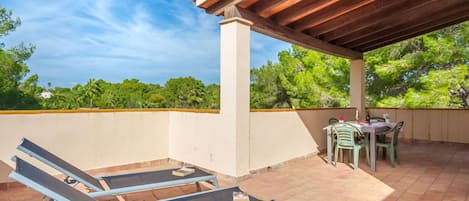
[[55, 189], [115, 184], [392, 145], [46, 184], [372, 129], [346, 139], [222, 194], [380, 138], [333, 120]]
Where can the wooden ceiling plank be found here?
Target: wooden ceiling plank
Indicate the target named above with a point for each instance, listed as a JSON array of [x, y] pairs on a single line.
[[262, 6], [270, 28], [247, 3], [353, 16], [413, 26], [328, 13], [279, 8], [370, 20], [410, 16], [300, 10], [404, 36], [219, 7]]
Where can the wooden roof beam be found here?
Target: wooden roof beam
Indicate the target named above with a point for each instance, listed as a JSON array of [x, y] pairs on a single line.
[[270, 28], [328, 13], [390, 12], [300, 10], [219, 7], [263, 6], [353, 16], [437, 19], [412, 16], [422, 29], [247, 3]]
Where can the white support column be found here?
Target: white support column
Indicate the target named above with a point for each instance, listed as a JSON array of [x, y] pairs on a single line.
[[357, 85], [234, 90]]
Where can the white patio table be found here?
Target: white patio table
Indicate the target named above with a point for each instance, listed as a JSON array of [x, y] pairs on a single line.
[[373, 130]]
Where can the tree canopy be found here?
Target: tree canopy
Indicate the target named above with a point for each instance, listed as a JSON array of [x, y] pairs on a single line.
[[301, 79], [13, 69], [429, 71]]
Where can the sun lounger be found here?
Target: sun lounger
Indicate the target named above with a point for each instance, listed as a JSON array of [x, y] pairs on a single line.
[[221, 194], [115, 184], [46, 184], [55, 189]]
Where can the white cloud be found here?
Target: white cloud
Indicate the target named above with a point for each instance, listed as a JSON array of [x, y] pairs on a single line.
[[114, 40]]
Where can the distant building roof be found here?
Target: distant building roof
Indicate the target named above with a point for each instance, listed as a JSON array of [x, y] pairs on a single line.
[[46, 94]]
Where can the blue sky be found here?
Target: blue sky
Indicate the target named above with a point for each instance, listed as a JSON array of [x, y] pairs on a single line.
[[150, 40]]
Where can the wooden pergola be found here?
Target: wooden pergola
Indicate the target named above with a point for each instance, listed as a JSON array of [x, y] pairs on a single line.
[[342, 27], [345, 28]]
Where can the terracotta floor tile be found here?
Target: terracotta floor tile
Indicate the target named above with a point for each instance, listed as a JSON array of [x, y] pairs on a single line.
[[409, 197]]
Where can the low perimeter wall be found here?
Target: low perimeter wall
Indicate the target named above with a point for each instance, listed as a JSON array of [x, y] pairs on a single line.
[[442, 125], [102, 139], [278, 136], [89, 140]]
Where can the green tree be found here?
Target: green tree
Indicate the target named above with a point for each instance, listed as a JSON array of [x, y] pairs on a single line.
[[301, 79], [212, 96], [13, 70], [184, 92], [62, 98], [92, 90], [429, 71]]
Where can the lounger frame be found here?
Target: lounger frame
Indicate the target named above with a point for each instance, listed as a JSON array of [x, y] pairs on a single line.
[[214, 191], [99, 191], [44, 183], [36, 186]]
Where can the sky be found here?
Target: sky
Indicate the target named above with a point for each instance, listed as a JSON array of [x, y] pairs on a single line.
[[113, 40]]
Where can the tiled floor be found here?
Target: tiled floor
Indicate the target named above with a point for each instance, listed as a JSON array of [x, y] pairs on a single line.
[[428, 171]]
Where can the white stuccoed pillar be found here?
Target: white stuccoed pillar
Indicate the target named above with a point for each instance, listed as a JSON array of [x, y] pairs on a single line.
[[234, 90], [357, 85]]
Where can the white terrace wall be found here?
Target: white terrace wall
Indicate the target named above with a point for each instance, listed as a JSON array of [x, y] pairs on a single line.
[[278, 136], [89, 140], [199, 139], [101, 139]]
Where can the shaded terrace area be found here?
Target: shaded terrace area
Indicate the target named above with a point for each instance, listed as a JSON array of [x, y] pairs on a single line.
[[428, 171]]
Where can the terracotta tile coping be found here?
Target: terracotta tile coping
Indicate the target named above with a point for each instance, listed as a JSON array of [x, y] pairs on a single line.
[[108, 110], [210, 111]]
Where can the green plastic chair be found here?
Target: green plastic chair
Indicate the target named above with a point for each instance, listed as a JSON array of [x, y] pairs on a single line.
[[346, 139], [380, 138], [333, 120], [392, 145]]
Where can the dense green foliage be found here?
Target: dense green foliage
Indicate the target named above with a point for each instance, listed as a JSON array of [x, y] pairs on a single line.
[[429, 71], [301, 79], [184, 92], [13, 69]]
